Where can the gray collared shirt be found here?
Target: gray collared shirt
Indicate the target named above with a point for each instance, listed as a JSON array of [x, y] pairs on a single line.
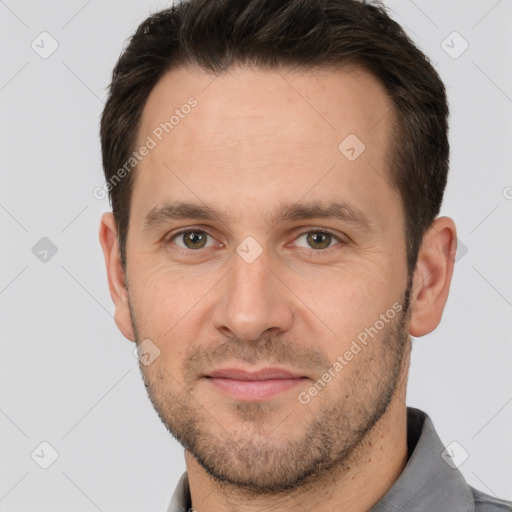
[[427, 484]]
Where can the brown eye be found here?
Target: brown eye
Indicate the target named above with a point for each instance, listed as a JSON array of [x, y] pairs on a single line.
[[318, 239], [191, 239]]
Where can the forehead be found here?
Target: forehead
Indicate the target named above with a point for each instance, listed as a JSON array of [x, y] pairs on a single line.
[[253, 130], [303, 106]]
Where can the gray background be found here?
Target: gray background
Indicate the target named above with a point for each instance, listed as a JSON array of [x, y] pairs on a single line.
[[68, 377]]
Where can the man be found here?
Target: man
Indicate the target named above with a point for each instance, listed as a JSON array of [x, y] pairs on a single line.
[[275, 170]]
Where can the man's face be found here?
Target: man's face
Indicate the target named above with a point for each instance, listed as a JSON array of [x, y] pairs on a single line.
[[257, 290]]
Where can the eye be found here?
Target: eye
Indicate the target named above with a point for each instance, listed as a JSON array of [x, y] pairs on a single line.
[[318, 239], [195, 239], [191, 239]]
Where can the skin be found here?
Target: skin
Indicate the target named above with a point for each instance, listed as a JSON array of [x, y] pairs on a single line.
[[255, 140]]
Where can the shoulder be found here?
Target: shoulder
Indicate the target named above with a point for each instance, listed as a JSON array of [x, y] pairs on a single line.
[[486, 503]]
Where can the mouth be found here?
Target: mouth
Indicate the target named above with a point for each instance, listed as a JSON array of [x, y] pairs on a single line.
[[258, 385]]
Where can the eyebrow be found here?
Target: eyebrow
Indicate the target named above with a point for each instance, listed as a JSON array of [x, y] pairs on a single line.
[[342, 211]]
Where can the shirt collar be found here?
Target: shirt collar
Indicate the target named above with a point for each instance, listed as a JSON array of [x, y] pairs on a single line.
[[427, 483], [181, 501]]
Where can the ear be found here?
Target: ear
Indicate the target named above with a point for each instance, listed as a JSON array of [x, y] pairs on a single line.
[[116, 275], [432, 277]]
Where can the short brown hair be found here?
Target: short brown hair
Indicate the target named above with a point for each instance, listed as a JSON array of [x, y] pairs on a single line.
[[299, 34]]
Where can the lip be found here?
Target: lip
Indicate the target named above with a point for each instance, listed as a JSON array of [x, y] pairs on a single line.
[[256, 385], [262, 374]]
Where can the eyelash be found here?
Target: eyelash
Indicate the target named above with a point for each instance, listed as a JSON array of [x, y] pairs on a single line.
[[169, 240]]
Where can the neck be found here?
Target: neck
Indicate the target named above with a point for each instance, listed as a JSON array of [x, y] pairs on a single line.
[[357, 485]]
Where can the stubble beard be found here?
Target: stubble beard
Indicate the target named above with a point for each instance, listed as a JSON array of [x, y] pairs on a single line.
[[255, 459]]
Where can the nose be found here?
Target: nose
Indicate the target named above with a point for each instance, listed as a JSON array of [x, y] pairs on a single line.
[[253, 299]]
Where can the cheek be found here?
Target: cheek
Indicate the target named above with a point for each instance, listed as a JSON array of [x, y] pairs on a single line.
[[346, 300], [166, 301], [334, 303]]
